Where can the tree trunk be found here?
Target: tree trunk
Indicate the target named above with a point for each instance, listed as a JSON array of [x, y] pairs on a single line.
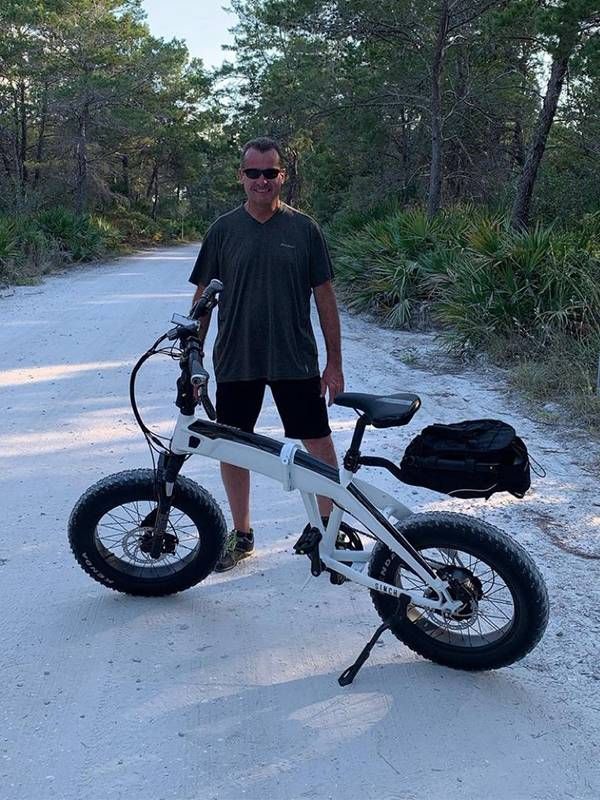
[[404, 155], [457, 158], [17, 136], [155, 199], [151, 182], [518, 139], [81, 179], [23, 143], [125, 174], [518, 149], [293, 179], [39, 151], [435, 174], [537, 146]]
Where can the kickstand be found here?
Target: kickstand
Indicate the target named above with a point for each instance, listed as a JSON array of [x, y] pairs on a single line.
[[349, 674]]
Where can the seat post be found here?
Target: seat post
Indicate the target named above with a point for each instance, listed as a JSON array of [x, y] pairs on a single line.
[[352, 456]]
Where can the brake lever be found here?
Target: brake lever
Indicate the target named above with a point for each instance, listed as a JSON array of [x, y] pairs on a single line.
[[207, 405]]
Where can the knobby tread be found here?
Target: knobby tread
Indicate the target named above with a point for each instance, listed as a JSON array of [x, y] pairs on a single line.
[[201, 507], [437, 529]]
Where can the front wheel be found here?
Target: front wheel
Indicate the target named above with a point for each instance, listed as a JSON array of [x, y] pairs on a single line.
[[111, 527], [505, 601]]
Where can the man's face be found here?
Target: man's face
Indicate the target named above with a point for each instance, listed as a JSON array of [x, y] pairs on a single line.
[[262, 191]]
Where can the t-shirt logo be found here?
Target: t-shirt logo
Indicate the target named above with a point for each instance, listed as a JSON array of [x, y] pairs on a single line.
[[290, 246]]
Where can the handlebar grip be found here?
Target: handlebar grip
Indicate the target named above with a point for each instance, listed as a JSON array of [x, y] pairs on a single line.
[[207, 299], [198, 375]]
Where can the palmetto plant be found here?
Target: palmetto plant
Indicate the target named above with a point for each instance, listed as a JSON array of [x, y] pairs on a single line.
[[482, 279], [521, 284], [9, 245]]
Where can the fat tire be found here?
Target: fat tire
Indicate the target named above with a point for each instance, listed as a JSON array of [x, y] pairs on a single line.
[[530, 596], [131, 485]]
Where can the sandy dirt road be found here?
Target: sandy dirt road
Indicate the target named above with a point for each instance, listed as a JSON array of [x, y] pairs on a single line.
[[229, 690]]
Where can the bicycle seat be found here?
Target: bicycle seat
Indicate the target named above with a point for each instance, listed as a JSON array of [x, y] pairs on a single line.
[[381, 411]]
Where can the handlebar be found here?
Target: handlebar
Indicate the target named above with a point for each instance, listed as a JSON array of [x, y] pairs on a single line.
[[207, 300], [199, 377], [193, 375]]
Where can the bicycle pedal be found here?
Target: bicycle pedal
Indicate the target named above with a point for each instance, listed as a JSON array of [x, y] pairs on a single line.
[[309, 539], [308, 545], [336, 578]]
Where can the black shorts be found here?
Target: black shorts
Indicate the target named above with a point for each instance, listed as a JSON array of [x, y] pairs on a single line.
[[302, 409]]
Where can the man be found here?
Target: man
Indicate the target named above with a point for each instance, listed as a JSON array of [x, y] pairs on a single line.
[[269, 257]]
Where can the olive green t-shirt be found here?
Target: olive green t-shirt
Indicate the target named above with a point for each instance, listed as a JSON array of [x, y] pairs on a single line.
[[268, 271]]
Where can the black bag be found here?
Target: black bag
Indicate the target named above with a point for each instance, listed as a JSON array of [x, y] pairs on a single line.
[[475, 458]]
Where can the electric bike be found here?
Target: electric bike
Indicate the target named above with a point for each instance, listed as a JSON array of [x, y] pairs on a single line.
[[456, 590]]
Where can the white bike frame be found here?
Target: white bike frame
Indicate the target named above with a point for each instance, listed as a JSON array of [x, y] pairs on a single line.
[[296, 470]]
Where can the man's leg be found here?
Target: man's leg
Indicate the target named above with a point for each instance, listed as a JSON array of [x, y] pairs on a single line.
[[323, 448], [238, 404], [304, 415], [236, 481], [240, 542]]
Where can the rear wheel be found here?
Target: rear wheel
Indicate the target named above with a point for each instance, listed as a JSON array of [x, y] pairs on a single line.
[[504, 609], [110, 533]]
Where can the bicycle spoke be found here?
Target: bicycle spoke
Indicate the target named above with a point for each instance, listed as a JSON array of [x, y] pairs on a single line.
[[124, 524], [120, 534], [491, 614]]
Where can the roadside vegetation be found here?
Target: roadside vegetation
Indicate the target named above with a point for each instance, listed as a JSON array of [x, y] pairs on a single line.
[[530, 299], [34, 244]]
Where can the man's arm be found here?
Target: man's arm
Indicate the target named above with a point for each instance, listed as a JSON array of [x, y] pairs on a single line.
[[332, 378], [204, 322]]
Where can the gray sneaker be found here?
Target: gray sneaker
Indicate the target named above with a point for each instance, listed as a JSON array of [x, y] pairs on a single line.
[[239, 545]]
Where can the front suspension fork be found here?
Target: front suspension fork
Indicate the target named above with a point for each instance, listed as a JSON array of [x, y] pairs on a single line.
[[169, 465]]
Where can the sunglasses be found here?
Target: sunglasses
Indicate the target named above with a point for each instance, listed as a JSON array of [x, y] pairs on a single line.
[[269, 174]]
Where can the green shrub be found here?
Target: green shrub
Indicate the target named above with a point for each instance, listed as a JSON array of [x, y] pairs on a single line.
[[169, 228], [532, 299], [9, 248], [533, 285], [39, 251], [134, 227], [79, 237], [137, 228], [111, 235], [393, 266], [30, 245], [25, 250]]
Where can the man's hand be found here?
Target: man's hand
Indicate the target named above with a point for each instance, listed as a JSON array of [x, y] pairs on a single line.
[[332, 379]]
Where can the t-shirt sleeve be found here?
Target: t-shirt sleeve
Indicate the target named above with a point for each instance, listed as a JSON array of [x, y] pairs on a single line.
[[321, 268], [207, 263]]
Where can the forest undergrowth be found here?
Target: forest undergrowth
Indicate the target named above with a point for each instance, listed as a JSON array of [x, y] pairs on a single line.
[[530, 300]]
